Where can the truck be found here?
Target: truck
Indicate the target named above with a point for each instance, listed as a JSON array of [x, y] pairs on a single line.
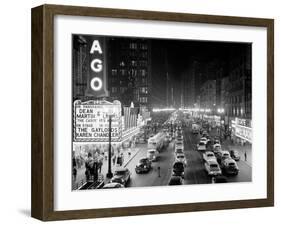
[[157, 142], [195, 128]]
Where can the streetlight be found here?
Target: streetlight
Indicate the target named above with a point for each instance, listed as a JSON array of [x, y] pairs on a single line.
[[109, 173]]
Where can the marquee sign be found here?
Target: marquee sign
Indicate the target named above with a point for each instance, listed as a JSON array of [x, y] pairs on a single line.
[[243, 129], [91, 121]]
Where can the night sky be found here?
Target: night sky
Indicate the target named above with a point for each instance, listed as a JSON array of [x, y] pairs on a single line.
[[176, 56]]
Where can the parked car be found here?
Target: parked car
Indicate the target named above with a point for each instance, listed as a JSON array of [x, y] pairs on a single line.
[[152, 155], [235, 155], [121, 175], [181, 158], [144, 165], [222, 155], [216, 148], [201, 146], [229, 166], [208, 155], [216, 141], [212, 168], [176, 180], [204, 140], [113, 185], [178, 169]]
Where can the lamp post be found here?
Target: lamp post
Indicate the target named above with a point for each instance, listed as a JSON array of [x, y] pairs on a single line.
[[109, 173]]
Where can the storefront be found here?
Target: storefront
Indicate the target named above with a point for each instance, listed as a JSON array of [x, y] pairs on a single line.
[[241, 130]]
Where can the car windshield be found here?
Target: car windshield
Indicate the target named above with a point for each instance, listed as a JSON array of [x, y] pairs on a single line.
[[210, 155], [201, 143], [214, 166], [143, 160], [180, 156], [231, 164], [120, 172], [151, 152], [225, 155]]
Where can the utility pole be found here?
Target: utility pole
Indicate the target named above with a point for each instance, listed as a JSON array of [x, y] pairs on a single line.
[[109, 173]]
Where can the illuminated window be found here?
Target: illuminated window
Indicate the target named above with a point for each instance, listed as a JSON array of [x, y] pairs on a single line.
[[114, 72], [114, 89]]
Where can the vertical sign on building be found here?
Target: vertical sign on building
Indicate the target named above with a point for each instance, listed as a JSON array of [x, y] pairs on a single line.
[[97, 80]]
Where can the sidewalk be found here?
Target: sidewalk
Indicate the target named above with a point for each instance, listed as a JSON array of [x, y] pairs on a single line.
[[241, 149], [81, 177], [127, 158], [228, 145]]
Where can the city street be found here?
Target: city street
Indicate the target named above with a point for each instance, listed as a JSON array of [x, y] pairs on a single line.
[[194, 173]]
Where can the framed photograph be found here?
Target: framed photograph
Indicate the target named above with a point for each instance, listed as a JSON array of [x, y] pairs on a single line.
[[127, 103]]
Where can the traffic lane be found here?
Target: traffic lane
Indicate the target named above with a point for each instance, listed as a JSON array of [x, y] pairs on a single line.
[[152, 177], [244, 175], [195, 171]]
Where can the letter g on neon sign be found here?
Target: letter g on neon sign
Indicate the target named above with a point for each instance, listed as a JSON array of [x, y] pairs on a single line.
[[96, 84]]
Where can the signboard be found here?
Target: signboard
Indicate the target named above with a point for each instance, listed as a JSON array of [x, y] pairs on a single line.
[[244, 133], [244, 122], [243, 129], [91, 121], [97, 84]]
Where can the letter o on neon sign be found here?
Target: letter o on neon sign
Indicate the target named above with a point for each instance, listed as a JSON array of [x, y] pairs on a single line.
[[96, 84]]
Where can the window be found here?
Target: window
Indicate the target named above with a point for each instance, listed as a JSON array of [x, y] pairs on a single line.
[[122, 89], [143, 72], [114, 72], [143, 99], [133, 45], [114, 89], [133, 63], [123, 72], [143, 90]]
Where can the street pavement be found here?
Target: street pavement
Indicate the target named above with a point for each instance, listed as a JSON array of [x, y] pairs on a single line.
[[194, 172]]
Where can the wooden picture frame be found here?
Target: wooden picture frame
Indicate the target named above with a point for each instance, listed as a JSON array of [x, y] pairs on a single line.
[[42, 203]]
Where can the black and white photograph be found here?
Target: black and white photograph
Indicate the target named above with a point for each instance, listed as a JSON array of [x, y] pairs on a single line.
[[159, 112]]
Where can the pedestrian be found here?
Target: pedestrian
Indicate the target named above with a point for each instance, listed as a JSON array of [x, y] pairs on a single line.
[[129, 153], [100, 163], [74, 168], [89, 164], [159, 175], [114, 159], [245, 155]]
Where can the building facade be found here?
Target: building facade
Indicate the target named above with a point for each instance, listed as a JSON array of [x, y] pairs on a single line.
[[240, 84], [129, 71], [208, 95]]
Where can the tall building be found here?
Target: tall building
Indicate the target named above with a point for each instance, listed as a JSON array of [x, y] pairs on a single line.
[[208, 95], [240, 83], [129, 71], [80, 66], [191, 81]]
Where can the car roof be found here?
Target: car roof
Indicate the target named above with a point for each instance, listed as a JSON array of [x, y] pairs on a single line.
[[121, 169], [209, 152], [145, 158], [151, 150], [212, 161], [228, 160]]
